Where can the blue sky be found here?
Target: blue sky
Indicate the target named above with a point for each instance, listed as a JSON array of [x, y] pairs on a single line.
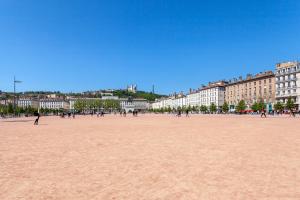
[[77, 45]]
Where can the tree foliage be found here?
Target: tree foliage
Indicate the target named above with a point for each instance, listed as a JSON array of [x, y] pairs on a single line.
[[81, 105], [139, 94], [225, 107], [241, 106], [290, 105], [203, 108], [279, 107], [213, 108]]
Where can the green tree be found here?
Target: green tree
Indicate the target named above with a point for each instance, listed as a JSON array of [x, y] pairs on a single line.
[[178, 108], [203, 108], [241, 106], [80, 105], [213, 108], [254, 107], [225, 107], [169, 109], [279, 107], [290, 105], [261, 105], [10, 109]]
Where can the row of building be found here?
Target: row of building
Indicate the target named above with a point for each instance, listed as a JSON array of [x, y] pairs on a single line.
[[267, 86], [127, 104]]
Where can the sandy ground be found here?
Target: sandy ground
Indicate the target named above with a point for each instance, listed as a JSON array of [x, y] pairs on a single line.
[[150, 157]]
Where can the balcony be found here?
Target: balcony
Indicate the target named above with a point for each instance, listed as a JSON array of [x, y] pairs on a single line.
[[286, 95], [287, 72]]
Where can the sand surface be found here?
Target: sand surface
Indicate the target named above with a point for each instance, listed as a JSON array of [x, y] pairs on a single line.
[[150, 157]]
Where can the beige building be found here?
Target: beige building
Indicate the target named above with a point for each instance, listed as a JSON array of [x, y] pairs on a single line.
[[251, 89]]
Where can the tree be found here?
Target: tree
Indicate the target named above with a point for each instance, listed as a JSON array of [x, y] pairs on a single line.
[[178, 108], [80, 105], [203, 108], [213, 108], [169, 109], [254, 107], [10, 109], [290, 104], [225, 107], [261, 105], [194, 108], [279, 107], [241, 106]]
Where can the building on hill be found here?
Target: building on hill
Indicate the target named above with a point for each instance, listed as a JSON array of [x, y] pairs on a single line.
[[132, 88], [288, 82], [251, 89]]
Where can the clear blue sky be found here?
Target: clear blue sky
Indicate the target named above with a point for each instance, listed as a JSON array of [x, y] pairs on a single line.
[[72, 45]]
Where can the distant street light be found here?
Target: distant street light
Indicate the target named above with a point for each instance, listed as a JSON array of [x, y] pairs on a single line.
[[15, 81]]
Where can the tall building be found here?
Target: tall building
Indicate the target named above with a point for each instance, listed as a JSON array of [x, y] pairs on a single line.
[[251, 90], [288, 82], [213, 93]]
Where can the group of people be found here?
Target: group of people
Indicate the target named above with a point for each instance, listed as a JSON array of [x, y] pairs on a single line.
[[135, 113], [101, 114], [186, 113]]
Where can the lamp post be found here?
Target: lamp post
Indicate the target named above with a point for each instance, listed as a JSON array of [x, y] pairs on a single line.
[[15, 81]]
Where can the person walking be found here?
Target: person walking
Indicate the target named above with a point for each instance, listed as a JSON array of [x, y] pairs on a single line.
[[36, 122], [187, 113], [263, 113], [179, 113]]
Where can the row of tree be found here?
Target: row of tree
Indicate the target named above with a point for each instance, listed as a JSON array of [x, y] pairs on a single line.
[[212, 108], [84, 105], [9, 110], [241, 107]]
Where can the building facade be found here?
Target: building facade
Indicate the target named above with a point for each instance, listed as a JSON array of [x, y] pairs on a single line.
[[129, 104], [251, 90], [288, 82], [55, 104], [213, 93], [24, 103]]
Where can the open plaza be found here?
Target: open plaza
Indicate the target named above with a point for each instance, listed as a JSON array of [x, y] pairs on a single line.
[[152, 156]]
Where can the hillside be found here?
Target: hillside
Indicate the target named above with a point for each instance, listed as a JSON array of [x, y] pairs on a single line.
[[139, 94]]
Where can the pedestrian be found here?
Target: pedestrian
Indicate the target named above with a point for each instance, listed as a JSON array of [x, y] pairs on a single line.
[[179, 113], [293, 112], [187, 113], [36, 122], [263, 113]]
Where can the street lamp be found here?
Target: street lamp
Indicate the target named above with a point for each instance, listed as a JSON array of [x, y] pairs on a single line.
[[15, 81]]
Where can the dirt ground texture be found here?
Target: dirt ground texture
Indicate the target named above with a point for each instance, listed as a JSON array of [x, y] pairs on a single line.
[[150, 157]]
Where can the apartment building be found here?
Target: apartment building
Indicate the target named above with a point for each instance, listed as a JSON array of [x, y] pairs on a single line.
[[288, 82], [213, 93], [24, 103], [54, 104], [251, 89]]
